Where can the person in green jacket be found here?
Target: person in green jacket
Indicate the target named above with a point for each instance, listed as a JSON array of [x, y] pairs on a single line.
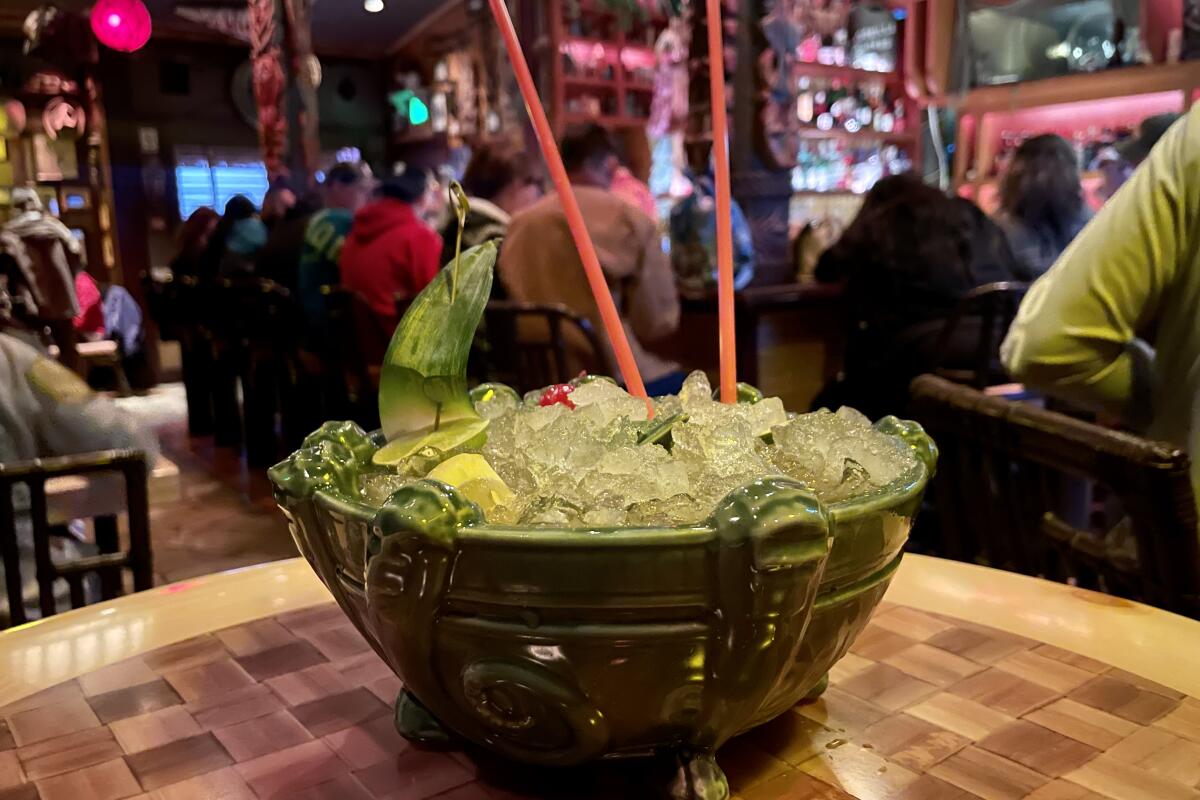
[[348, 187], [1114, 326]]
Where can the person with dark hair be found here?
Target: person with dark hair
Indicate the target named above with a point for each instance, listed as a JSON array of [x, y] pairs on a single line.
[[278, 203], [192, 242], [907, 260], [390, 252], [348, 187], [288, 253], [1041, 202], [499, 181], [1112, 326], [539, 262], [1118, 162], [246, 237], [240, 215]]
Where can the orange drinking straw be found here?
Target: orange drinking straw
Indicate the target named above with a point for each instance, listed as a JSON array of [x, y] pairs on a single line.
[[558, 174], [720, 120]]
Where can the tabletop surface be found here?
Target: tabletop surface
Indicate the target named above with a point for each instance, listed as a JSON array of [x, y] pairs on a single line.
[[289, 702]]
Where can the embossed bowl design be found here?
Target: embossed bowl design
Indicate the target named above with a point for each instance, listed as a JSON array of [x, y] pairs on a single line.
[[558, 647]]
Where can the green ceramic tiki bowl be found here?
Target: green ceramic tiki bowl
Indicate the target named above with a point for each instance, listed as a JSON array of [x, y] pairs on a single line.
[[559, 647]]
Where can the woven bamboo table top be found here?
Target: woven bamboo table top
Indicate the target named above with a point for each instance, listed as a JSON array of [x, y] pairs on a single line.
[[925, 707]]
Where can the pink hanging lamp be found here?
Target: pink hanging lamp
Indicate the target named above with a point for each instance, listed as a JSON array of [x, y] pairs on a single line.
[[123, 25]]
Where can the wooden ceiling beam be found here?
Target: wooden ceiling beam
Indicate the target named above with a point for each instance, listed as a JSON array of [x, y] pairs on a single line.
[[426, 26]]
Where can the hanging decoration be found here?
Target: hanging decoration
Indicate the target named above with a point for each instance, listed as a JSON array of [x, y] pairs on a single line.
[[12, 119], [59, 37], [233, 22], [269, 84], [61, 115], [36, 24], [306, 72], [123, 25]]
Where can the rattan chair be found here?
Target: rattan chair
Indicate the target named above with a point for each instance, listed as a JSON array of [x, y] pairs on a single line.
[[986, 312], [353, 357], [253, 324], [108, 565], [530, 346], [1006, 495]]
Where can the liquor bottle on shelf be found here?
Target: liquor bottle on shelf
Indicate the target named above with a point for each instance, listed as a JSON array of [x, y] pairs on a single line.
[[831, 165], [806, 104], [837, 104], [899, 122]]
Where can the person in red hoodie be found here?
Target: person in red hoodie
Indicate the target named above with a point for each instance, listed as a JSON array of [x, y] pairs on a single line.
[[390, 252]]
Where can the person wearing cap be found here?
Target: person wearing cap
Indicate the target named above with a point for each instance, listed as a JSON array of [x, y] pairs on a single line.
[[390, 252], [347, 188], [1112, 325], [279, 204], [1128, 154]]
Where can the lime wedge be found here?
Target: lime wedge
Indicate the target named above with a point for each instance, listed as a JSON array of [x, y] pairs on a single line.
[[449, 436], [475, 479]]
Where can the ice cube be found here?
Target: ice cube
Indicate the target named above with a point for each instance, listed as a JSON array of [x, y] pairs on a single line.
[[682, 509], [538, 417], [696, 392], [629, 475], [606, 402], [552, 512], [720, 453], [377, 487], [764, 415], [497, 404], [605, 517], [838, 455], [853, 419], [596, 391], [583, 467], [879, 457], [667, 406]]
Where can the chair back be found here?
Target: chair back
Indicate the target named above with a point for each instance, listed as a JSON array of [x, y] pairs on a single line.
[[109, 565], [356, 347], [1034, 491], [984, 314], [529, 346], [253, 323]]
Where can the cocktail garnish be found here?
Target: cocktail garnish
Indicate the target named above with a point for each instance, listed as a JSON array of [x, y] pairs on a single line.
[[462, 207], [559, 394], [423, 384]]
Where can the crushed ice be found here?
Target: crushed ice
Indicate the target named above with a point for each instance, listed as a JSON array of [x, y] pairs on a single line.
[[586, 468]]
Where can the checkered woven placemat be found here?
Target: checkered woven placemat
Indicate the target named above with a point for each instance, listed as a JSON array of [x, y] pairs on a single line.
[[925, 707]]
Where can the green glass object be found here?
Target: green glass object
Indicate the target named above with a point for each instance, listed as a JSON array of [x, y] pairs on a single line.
[[560, 647]]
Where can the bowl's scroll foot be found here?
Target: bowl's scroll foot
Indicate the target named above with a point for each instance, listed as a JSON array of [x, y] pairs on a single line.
[[699, 778], [817, 690], [416, 723]]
